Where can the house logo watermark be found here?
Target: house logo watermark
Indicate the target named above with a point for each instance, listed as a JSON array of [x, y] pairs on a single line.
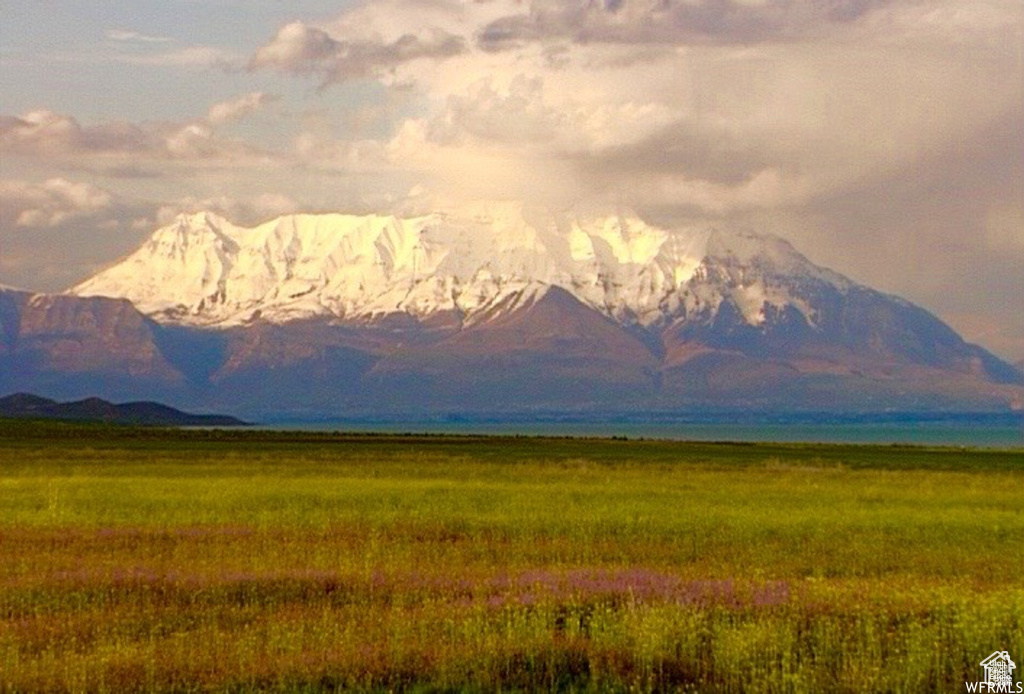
[[998, 676]]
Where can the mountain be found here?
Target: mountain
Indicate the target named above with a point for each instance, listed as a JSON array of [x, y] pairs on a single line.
[[27, 406], [204, 271], [491, 308], [67, 344]]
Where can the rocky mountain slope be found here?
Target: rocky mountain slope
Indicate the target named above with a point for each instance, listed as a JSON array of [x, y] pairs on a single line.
[[202, 270], [494, 308]]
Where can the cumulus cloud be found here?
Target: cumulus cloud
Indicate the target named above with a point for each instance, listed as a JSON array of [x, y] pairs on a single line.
[[121, 147], [238, 108], [799, 98], [299, 48], [57, 231], [517, 116], [50, 203], [45, 132]]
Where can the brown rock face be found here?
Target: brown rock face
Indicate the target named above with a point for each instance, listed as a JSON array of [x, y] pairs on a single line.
[[544, 351], [54, 340], [94, 334]]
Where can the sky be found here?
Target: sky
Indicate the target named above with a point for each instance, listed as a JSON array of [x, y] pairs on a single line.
[[883, 138]]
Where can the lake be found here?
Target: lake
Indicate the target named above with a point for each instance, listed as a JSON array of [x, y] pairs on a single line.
[[973, 430]]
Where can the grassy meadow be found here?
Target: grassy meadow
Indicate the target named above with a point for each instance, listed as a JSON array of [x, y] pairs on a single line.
[[135, 560]]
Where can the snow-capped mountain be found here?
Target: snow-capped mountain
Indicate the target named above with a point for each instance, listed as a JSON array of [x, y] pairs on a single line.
[[203, 270], [492, 308]]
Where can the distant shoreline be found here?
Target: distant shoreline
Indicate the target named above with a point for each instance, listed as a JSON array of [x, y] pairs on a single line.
[[964, 430], [971, 430]]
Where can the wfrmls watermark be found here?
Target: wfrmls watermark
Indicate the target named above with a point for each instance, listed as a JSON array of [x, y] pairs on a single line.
[[998, 676]]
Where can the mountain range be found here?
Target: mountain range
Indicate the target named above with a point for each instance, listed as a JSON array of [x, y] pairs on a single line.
[[493, 308]]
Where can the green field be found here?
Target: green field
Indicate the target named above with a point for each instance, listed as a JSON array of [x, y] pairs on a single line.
[[136, 560]]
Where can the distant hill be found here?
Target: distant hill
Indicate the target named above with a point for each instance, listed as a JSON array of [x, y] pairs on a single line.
[[27, 406]]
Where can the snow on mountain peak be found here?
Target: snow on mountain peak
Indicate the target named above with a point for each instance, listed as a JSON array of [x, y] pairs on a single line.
[[203, 270]]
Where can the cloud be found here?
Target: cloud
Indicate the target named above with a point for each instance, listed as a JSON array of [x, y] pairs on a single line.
[[131, 172], [196, 57], [517, 116], [120, 147], [56, 232], [678, 22], [250, 210], [841, 92], [51, 203], [48, 133], [237, 108], [301, 49], [134, 36], [131, 47], [322, 153], [297, 48]]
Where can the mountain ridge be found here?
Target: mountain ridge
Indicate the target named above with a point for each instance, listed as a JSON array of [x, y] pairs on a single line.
[[313, 368], [577, 316], [203, 270]]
